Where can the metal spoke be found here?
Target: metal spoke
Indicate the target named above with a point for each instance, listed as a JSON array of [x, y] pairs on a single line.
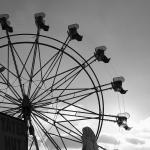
[[73, 94], [39, 86], [46, 133], [79, 116], [61, 127], [40, 61], [65, 110], [32, 67], [78, 107], [31, 144], [8, 55], [72, 103], [15, 63], [47, 62], [10, 86], [61, 55], [9, 72], [21, 63], [9, 110], [63, 137], [49, 90], [60, 137], [9, 98], [40, 134], [27, 61], [72, 78], [70, 122]]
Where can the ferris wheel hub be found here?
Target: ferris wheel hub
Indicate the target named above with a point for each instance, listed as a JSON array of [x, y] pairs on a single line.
[[26, 107]]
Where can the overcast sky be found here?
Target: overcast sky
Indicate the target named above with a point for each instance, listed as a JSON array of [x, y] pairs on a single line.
[[124, 27]]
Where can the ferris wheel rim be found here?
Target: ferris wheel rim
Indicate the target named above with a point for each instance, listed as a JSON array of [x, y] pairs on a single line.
[[28, 42]]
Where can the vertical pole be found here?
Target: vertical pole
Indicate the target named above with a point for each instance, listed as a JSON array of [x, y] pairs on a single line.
[[31, 129], [26, 134]]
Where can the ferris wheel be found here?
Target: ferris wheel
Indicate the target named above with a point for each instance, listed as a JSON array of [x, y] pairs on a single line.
[[52, 87]]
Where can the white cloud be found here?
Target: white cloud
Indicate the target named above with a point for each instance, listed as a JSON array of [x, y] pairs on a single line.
[[142, 129], [136, 139], [106, 138]]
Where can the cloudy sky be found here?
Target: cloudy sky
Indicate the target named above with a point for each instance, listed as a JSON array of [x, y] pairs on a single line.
[[124, 27]]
